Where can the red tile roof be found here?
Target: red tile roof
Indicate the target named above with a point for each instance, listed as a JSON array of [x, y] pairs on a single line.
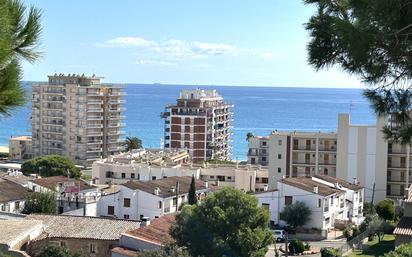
[[308, 184], [157, 232], [404, 227]]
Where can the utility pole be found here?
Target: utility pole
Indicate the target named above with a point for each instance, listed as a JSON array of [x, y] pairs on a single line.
[[373, 193]]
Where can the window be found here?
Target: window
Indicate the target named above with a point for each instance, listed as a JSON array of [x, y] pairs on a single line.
[[123, 175], [264, 143], [174, 201], [288, 200], [265, 180], [126, 216], [132, 175], [212, 177], [110, 210], [62, 243], [126, 202], [263, 159], [17, 205], [160, 204], [266, 206], [279, 170], [279, 142], [319, 203], [229, 178], [153, 177], [92, 248], [279, 156], [3, 207]]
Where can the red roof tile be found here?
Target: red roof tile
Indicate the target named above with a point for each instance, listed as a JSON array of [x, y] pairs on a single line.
[[157, 232]]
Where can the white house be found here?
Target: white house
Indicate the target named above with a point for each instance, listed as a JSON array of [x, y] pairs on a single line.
[[12, 196], [74, 196], [330, 200], [136, 200]]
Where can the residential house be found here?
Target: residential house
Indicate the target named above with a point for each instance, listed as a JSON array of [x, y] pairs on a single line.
[[330, 202], [152, 235], [74, 196], [258, 152], [20, 148], [94, 237], [403, 231], [12, 196], [137, 200]]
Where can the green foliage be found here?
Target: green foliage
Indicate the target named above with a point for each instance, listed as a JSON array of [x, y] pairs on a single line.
[[351, 232], [329, 252], [215, 161], [51, 165], [386, 209], [192, 192], [369, 39], [2, 254], [40, 203], [19, 38], [57, 251], [227, 223], [296, 246], [368, 209], [169, 250], [403, 250], [296, 214], [132, 143]]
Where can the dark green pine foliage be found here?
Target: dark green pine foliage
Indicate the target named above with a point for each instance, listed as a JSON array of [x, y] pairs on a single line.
[[372, 40], [192, 192]]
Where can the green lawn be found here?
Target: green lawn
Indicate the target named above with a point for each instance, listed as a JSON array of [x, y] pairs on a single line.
[[376, 249]]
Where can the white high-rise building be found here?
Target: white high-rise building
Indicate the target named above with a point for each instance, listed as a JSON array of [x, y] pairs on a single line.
[[77, 116]]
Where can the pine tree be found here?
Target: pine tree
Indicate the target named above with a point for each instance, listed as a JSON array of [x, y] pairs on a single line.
[[192, 192]]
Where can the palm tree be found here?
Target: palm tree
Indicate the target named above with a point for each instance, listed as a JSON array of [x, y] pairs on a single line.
[[19, 38], [249, 135], [132, 143]]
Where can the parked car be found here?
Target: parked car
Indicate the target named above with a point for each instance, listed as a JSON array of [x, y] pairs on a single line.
[[279, 235]]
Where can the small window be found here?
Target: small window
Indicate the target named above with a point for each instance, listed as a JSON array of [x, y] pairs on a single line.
[[264, 143], [132, 175], [265, 180], [17, 205], [212, 177], [229, 178], [92, 248], [174, 201], [263, 159], [266, 206], [110, 210], [126, 202], [159, 205], [279, 142], [319, 203], [279, 156], [279, 170], [62, 243], [153, 177], [126, 216], [138, 176], [288, 200], [123, 175]]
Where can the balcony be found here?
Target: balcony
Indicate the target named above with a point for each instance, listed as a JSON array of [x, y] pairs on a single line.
[[96, 150], [94, 126], [94, 101], [95, 142], [117, 101], [95, 110], [94, 133], [94, 117]]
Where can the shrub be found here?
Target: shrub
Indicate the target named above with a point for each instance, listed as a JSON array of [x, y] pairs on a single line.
[[296, 246], [329, 252], [386, 209], [307, 246]]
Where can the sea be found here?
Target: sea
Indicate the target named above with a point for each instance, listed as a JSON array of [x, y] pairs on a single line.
[[259, 110]]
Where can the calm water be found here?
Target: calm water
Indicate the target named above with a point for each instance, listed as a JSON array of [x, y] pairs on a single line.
[[257, 109]]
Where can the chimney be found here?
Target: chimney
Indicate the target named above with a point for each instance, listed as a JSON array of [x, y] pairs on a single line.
[[172, 189], [206, 184], [337, 185], [145, 222], [156, 191], [265, 188], [315, 189], [355, 181]]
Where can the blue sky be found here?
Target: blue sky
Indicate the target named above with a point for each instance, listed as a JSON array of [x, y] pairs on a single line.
[[214, 42]]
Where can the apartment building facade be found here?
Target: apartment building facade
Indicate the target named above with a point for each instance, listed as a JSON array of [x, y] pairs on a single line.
[[201, 122], [353, 152], [77, 116], [258, 153], [20, 148]]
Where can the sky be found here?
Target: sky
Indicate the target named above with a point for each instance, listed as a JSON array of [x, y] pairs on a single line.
[[213, 42]]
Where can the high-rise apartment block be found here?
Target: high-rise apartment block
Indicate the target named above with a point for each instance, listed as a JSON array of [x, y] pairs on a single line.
[[201, 122], [355, 153], [258, 153], [77, 116]]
